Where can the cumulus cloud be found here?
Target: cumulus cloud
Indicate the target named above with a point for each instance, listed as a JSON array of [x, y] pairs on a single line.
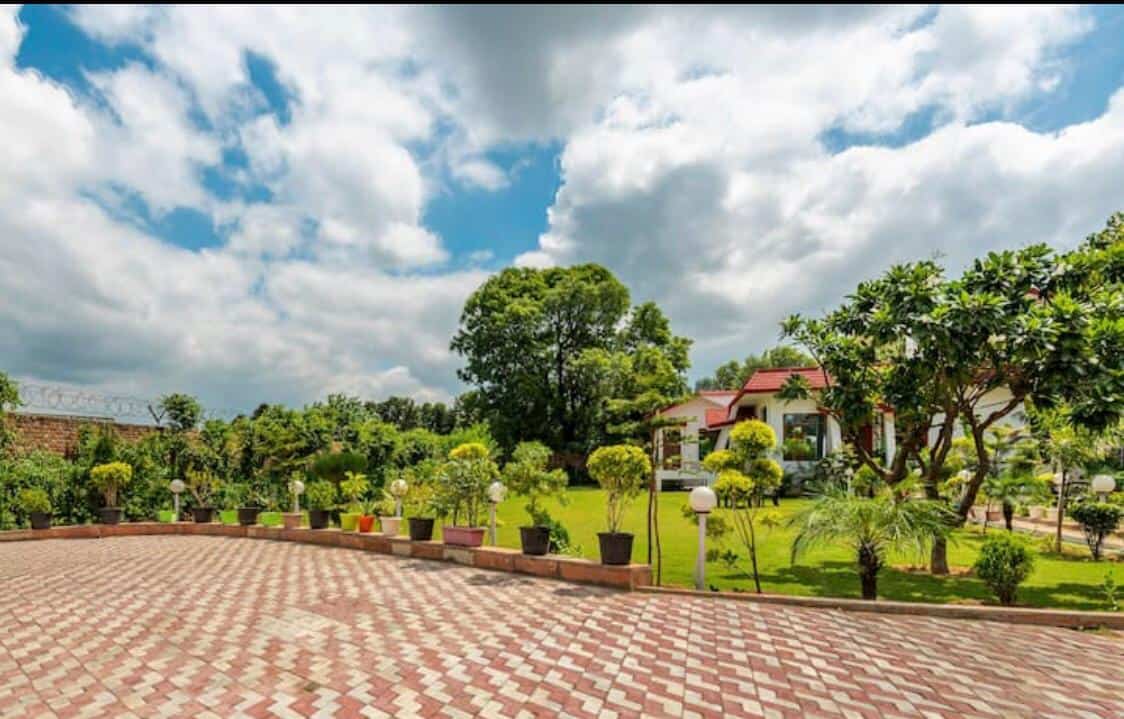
[[695, 163]]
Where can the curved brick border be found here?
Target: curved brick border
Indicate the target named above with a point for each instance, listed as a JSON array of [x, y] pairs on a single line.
[[1010, 615], [571, 569]]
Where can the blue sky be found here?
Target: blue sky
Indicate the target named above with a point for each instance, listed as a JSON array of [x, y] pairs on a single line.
[[270, 203]]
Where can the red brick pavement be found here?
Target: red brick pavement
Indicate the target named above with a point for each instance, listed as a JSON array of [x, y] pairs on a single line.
[[219, 627]]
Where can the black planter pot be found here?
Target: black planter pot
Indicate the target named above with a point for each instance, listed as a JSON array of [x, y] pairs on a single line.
[[421, 528], [319, 518], [536, 540], [40, 520], [616, 548], [110, 515], [248, 516], [203, 515]]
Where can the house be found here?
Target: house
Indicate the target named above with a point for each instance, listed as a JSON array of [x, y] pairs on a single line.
[[680, 449]]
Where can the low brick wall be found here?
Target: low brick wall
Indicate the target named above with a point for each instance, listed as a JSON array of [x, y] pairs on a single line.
[[572, 569], [1010, 615], [59, 433]]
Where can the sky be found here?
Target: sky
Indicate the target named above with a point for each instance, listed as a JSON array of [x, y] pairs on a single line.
[[274, 203]]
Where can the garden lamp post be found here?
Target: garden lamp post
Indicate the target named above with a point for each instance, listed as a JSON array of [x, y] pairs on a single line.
[[177, 486], [1103, 485], [702, 500], [298, 489], [496, 493], [398, 489]]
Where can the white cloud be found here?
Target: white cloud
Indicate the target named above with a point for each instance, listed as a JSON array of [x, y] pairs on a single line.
[[693, 166]]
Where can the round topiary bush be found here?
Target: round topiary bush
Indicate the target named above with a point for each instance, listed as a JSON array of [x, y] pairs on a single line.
[[1004, 563], [753, 437]]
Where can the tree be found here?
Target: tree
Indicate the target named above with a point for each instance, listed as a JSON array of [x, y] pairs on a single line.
[[1041, 326], [1011, 489], [733, 374], [621, 471], [873, 527], [527, 476], [1097, 520], [747, 474], [9, 399]]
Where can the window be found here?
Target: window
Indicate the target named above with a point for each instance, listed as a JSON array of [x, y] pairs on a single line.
[[672, 448], [803, 437]]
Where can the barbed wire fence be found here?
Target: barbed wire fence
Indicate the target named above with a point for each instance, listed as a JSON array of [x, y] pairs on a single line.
[[60, 400]]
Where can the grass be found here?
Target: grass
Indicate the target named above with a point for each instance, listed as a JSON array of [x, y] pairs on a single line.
[[1070, 580]]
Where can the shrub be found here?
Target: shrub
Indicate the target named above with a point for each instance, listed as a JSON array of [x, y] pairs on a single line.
[[320, 495], [620, 470], [354, 487], [1098, 520], [464, 482], [34, 499], [753, 437], [1004, 563], [203, 484], [732, 487], [719, 460], [109, 478]]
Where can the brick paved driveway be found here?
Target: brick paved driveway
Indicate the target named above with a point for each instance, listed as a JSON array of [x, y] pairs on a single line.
[[207, 626]]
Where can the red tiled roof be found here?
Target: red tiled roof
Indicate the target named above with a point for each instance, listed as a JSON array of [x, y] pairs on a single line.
[[717, 416], [771, 380]]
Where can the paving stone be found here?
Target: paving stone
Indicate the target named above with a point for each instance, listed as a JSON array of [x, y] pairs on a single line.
[[214, 626]]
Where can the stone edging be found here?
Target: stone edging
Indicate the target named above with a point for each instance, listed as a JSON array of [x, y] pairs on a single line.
[[1009, 615], [571, 569]]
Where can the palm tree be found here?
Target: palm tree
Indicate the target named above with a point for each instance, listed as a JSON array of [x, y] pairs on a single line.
[[874, 527], [1010, 490]]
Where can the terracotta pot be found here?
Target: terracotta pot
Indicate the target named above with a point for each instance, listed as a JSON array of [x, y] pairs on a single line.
[[995, 515], [535, 540], [40, 520], [318, 518], [202, 515], [366, 523], [390, 525], [616, 547], [248, 516], [110, 515], [292, 520], [421, 528], [463, 536]]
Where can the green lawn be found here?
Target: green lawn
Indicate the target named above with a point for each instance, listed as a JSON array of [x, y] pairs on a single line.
[[1070, 581]]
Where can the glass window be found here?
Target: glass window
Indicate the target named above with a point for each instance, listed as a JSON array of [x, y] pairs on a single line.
[[803, 437]]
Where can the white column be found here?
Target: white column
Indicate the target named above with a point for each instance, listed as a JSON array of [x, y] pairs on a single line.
[[888, 439], [700, 559], [834, 435]]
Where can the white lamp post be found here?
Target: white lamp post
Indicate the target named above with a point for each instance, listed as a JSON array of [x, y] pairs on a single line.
[[398, 489], [298, 489], [702, 500], [1103, 485], [496, 493], [177, 486]]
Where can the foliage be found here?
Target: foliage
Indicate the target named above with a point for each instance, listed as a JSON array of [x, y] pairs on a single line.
[[354, 487], [320, 495], [109, 478], [732, 488], [621, 471], [1097, 520], [720, 459], [1004, 563], [203, 484], [546, 348], [1011, 490], [752, 438], [1110, 590], [527, 475], [718, 525], [872, 526], [182, 412], [733, 375], [47, 471], [33, 499], [9, 399], [335, 466], [464, 480]]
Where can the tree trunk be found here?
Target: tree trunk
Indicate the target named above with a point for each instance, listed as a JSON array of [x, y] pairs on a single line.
[[938, 557], [1009, 516], [753, 556], [868, 572], [1061, 513]]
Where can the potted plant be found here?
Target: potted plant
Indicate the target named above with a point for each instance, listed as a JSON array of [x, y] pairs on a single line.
[[390, 519], [526, 475], [421, 499], [36, 505], [367, 518], [109, 479], [354, 487], [621, 471], [463, 485], [320, 497], [202, 484], [248, 502]]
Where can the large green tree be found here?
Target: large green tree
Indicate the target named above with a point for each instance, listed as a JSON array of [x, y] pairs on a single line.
[[734, 374], [547, 348], [1046, 326]]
